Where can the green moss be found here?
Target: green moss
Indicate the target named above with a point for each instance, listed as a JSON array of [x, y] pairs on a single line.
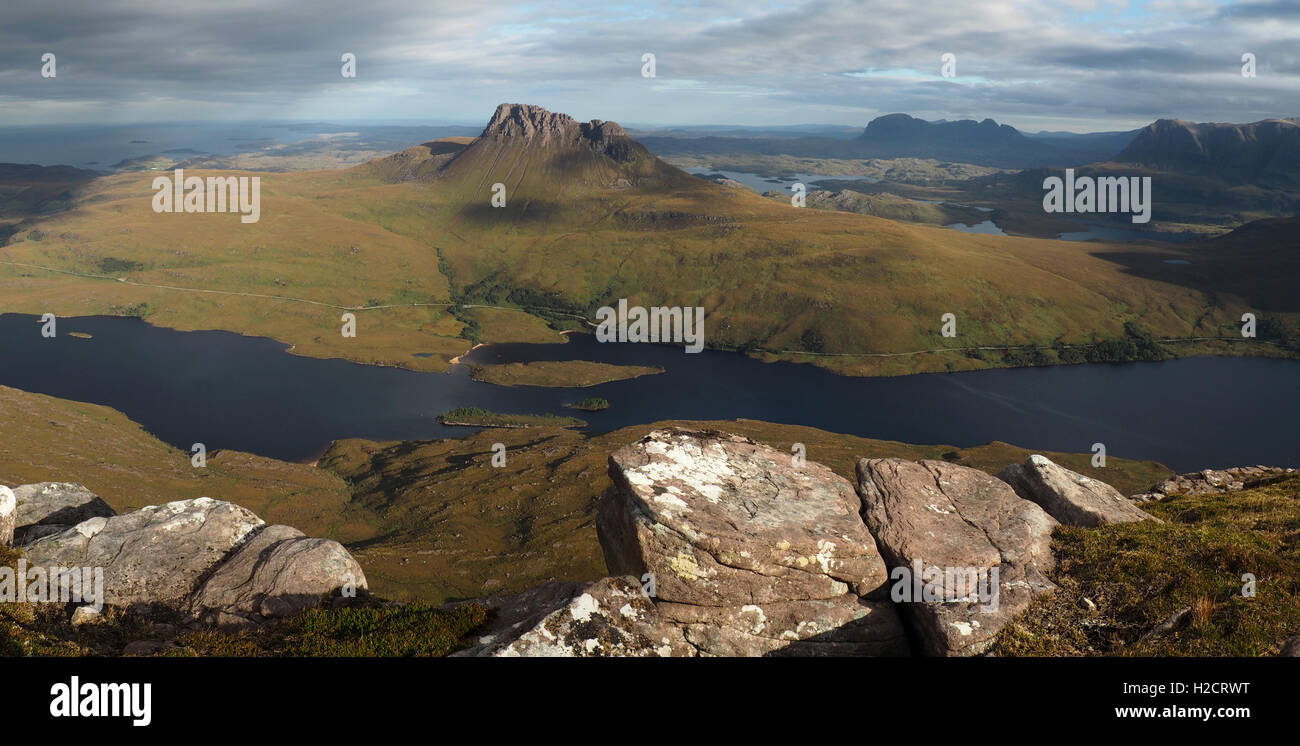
[[417, 629]]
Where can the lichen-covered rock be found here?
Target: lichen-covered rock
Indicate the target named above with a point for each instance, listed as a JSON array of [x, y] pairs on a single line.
[[749, 554], [1210, 481], [276, 573], [66, 503], [153, 555], [719, 520], [611, 617], [47, 508], [937, 514], [8, 516], [843, 626], [1070, 497]]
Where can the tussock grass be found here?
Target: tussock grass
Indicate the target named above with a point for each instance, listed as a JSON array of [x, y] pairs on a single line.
[[1186, 572]]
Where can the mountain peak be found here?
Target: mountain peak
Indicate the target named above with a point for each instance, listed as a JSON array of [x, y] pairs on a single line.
[[530, 122], [895, 126], [535, 151]]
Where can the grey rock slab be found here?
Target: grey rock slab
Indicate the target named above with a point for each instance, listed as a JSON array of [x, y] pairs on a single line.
[[276, 573], [1070, 497], [941, 515], [156, 554]]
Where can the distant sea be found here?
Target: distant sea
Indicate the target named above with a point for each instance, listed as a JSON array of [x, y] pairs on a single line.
[[100, 146]]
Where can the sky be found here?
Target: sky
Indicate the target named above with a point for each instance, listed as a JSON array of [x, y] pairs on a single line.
[[1077, 65]]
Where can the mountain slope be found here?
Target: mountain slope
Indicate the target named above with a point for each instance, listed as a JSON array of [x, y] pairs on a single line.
[[416, 245], [1265, 153]]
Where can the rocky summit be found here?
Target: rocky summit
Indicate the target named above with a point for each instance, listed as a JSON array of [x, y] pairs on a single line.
[[546, 128], [727, 547], [716, 545]]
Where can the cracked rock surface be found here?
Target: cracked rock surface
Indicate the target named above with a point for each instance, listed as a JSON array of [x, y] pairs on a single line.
[[153, 555], [948, 516], [749, 553]]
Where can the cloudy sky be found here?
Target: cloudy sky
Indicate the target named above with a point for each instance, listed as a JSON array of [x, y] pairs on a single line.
[[1037, 64]]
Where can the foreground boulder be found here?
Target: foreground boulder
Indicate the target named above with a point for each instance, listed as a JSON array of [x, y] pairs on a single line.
[[1210, 481], [611, 617], [213, 559], [153, 555], [843, 626], [747, 553], [933, 514], [8, 516], [47, 508], [1070, 497], [277, 573]]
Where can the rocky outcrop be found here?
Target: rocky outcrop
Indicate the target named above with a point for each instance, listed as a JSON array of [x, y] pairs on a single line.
[[843, 626], [729, 548], [720, 520], [749, 554], [277, 573], [8, 516], [1210, 481], [552, 129], [1070, 497], [933, 514], [153, 555], [47, 508], [213, 559], [610, 617]]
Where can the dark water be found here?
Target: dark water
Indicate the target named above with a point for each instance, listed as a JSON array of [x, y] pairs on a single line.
[[245, 393]]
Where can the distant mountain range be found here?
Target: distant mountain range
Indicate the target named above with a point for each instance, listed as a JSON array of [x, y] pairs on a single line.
[[984, 143], [1265, 153]]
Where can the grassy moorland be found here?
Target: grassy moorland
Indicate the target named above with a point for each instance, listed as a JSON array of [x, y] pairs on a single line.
[[457, 527], [45, 439], [406, 236], [1174, 588]]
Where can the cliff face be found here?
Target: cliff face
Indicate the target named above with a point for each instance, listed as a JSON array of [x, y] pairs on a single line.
[[546, 129]]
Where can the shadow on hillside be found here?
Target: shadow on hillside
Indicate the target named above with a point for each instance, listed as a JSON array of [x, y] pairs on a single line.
[[519, 210], [1264, 277]]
